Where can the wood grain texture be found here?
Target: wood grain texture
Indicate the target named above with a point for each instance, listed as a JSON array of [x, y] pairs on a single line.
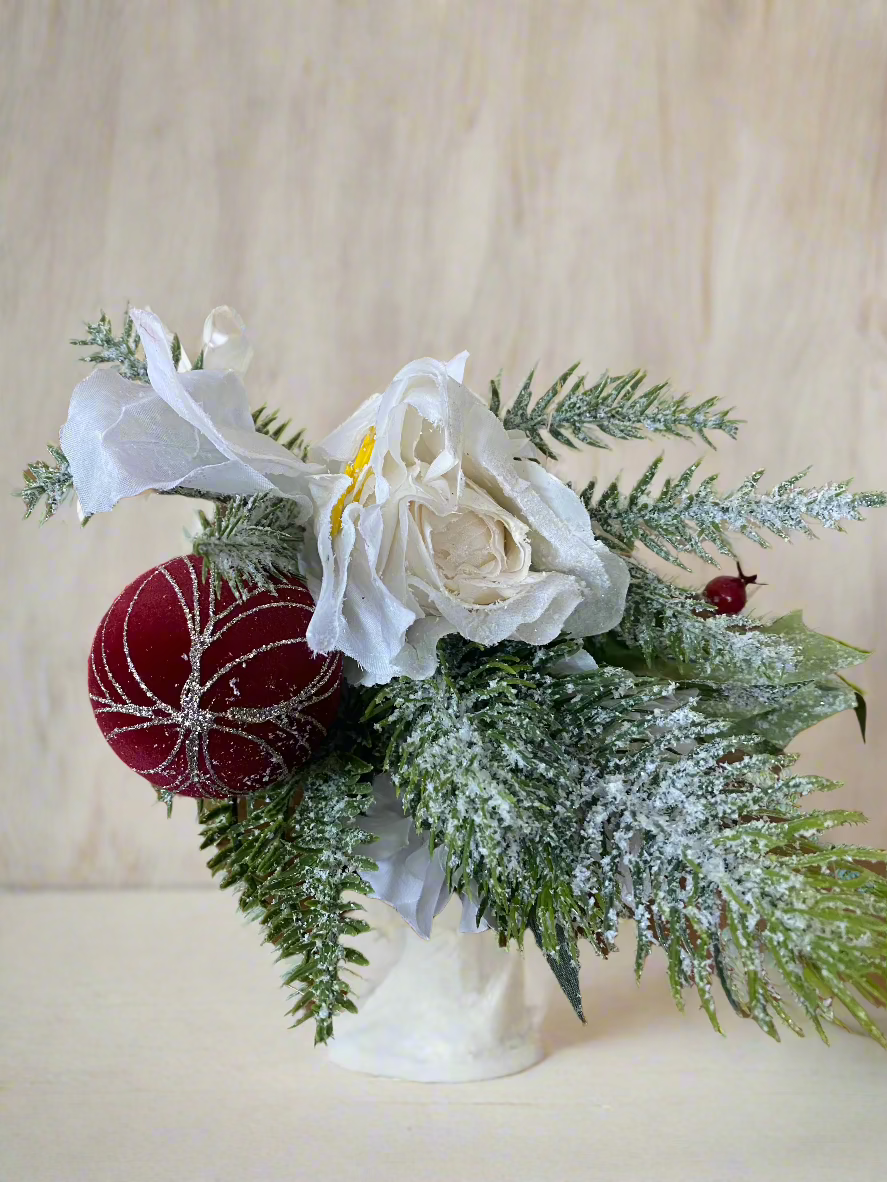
[[699, 188]]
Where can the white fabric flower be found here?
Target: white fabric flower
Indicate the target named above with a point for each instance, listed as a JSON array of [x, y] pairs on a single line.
[[190, 429], [428, 522], [409, 878]]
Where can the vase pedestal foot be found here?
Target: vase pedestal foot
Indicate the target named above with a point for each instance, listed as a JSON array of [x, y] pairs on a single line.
[[451, 1009]]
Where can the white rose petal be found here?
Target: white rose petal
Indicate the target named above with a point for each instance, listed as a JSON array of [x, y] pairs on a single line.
[[191, 430], [432, 519]]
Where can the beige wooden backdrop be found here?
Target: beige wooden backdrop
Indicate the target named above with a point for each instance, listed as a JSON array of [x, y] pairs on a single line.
[[696, 187]]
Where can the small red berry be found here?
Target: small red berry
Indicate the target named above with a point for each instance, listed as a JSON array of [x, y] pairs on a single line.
[[727, 593]]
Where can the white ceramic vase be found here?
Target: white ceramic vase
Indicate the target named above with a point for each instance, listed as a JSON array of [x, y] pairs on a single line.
[[449, 1010]]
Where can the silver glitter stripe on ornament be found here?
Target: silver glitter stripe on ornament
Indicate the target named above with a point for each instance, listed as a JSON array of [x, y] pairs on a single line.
[[193, 721]]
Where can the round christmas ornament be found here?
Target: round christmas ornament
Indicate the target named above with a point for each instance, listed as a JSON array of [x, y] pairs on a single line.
[[205, 694]]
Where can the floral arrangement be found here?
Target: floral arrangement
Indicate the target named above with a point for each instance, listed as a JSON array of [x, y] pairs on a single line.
[[409, 661]]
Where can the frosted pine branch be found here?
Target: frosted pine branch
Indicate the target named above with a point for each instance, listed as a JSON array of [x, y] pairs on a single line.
[[672, 629], [292, 861], [120, 351], [717, 863], [618, 406], [475, 754], [251, 542], [577, 801], [50, 483], [671, 623], [681, 519]]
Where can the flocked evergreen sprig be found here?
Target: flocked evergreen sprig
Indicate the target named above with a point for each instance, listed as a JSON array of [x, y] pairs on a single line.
[[615, 406], [567, 803], [250, 542], [681, 519], [699, 827], [51, 484], [292, 855], [120, 351], [476, 755], [654, 788], [674, 629]]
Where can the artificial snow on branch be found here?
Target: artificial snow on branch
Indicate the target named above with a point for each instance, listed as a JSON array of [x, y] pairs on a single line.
[[52, 484], [121, 351], [575, 801], [474, 754], [251, 542], [617, 406], [291, 859], [699, 836], [680, 519], [673, 628]]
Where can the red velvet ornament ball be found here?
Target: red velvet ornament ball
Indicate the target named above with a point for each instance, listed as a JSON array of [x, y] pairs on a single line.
[[207, 695], [727, 593]]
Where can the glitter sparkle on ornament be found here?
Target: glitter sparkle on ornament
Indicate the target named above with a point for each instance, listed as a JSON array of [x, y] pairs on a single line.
[[207, 695]]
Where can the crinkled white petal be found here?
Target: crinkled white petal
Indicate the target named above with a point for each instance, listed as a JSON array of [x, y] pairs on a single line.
[[565, 541], [343, 443], [192, 429], [451, 527], [355, 613], [409, 878]]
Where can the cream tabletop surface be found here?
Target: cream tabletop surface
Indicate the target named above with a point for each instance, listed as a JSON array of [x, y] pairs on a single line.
[[142, 1036]]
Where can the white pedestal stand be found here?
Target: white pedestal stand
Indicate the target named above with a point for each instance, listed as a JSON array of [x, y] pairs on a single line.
[[451, 1009]]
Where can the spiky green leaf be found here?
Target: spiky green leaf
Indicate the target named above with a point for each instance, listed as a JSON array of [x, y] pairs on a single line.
[[292, 858], [681, 519], [576, 412]]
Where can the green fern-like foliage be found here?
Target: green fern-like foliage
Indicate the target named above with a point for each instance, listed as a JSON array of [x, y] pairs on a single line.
[[567, 803], [49, 484], [121, 351], [267, 423], [573, 413], [251, 542], [476, 755], [675, 630], [567, 798], [781, 673], [681, 519], [723, 864], [292, 855]]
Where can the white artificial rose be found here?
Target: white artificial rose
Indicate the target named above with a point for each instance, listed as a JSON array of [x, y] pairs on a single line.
[[190, 429], [429, 522]]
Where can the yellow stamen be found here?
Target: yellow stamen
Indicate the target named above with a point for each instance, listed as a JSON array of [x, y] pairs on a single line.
[[359, 467]]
